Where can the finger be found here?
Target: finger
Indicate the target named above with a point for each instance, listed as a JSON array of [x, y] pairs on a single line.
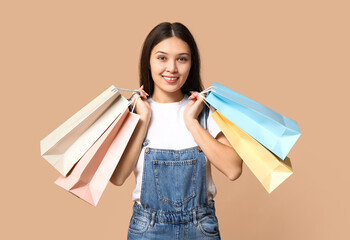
[[139, 89], [200, 97], [138, 94], [144, 95], [143, 92], [195, 94]]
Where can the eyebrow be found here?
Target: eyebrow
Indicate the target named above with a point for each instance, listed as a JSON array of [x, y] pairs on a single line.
[[167, 54]]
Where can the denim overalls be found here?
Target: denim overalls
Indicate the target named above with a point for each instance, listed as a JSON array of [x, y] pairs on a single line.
[[174, 198]]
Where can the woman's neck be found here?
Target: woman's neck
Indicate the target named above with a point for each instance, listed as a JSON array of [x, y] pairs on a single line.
[[166, 97]]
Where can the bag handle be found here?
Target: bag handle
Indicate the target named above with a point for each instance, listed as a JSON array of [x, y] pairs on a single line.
[[129, 99], [203, 94]]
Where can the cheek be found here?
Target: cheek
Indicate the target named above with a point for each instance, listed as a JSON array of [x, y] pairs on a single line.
[[185, 70], [156, 69]]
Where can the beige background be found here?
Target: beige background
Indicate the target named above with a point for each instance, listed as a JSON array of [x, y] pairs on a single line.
[[292, 56]]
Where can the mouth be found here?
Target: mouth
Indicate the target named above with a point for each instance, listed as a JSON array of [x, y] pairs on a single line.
[[170, 79]]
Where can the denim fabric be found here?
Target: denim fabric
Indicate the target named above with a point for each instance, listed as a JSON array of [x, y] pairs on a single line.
[[160, 225], [174, 198]]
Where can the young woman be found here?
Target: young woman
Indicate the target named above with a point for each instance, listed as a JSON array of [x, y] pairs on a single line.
[[174, 144]]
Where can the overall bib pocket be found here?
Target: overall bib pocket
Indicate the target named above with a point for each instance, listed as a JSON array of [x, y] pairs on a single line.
[[175, 180]]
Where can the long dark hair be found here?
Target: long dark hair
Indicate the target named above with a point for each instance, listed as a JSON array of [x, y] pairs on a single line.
[[159, 33]]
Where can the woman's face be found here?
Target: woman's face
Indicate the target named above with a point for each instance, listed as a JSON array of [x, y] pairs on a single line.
[[170, 63]]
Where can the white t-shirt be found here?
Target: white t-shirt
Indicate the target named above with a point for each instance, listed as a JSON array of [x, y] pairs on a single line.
[[167, 130]]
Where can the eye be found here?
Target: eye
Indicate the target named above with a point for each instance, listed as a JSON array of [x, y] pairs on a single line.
[[161, 58], [183, 59]]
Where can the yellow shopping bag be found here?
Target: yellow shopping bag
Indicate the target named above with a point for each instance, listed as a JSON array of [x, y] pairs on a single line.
[[267, 167]]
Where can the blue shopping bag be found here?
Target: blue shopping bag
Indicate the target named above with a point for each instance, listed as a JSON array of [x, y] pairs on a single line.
[[274, 131]]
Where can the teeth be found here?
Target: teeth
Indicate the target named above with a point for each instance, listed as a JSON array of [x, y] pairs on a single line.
[[170, 79]]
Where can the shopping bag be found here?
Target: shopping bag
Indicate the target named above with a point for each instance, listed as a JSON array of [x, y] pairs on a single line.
[[91, 174], [63, 147], [268, 168], [276, 132]]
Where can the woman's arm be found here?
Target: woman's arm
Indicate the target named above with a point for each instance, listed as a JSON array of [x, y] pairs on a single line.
[[131, 154], [218, 150]]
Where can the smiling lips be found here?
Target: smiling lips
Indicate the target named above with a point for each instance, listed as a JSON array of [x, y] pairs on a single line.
[[170, 79]]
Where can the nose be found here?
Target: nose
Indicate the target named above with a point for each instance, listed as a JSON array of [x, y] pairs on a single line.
[[171, 66]]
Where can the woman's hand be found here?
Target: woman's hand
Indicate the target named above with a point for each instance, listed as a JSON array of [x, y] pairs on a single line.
[[193, 110], [142, 106]]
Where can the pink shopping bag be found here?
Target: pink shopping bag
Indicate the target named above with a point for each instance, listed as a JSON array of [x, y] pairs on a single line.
[[91, 174]]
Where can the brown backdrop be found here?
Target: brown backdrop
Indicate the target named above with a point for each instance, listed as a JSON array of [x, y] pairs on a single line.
[[292, 56]]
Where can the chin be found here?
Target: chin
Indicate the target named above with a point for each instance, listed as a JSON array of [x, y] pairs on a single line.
[[172, 89]]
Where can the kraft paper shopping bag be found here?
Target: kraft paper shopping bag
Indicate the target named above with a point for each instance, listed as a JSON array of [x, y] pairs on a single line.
[[63, 147], [268, 168], [276, 132]]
